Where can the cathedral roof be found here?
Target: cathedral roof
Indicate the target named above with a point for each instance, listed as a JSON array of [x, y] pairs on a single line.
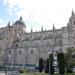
[[20, 22]]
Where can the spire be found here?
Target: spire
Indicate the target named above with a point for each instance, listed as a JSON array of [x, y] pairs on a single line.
[[8, 23], [21, 18], [12, 23], [42, 28], [53, 27], [31, 30], [72, 12]]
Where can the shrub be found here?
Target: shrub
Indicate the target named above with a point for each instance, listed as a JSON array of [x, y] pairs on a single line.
[[47, 66], [61, 63], [41, 65], [21, 71], [51, 64]]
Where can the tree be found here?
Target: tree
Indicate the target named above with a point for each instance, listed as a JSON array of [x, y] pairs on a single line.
[[41, 65], [70, 58], [51, 64], [61, 63], [47, 66]]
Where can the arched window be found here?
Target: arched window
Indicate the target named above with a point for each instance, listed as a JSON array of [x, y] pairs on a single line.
[[27, 39], [9, 52], [74, 22], [16, 45], [20, 51], [31, 51]]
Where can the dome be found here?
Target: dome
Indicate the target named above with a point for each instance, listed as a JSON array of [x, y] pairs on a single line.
[[19, 22]]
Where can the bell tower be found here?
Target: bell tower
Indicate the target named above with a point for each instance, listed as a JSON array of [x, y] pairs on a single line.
[[71, 23], [71, 29]]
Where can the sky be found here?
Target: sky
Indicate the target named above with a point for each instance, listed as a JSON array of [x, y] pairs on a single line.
[[37, 13]]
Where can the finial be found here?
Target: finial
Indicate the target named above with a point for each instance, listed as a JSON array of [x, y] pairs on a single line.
[[12, 23], [21, 18], [8, 23], [31, 30], [42, 28], [72, 12], [53, 27]]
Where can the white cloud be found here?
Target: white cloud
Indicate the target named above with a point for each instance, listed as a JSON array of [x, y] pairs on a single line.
[[37, 13]]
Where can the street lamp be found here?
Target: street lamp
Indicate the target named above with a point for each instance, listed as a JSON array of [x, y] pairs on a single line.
[[49, 61]]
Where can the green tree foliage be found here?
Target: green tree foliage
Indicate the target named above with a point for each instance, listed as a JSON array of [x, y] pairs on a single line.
[[21, 71], [47, 66], [61, 63], [70, 58], [41, 66], [2, 67], [51, 64]]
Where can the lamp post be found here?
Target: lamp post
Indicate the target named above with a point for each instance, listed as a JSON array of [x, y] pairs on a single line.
[[49, 62]]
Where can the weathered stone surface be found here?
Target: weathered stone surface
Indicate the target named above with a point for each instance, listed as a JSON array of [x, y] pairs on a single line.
[[19, 47]]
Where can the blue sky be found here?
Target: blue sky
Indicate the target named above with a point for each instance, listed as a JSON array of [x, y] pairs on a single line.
[[37, 13]]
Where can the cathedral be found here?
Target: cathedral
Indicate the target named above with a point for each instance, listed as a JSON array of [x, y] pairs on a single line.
[[17, 46]]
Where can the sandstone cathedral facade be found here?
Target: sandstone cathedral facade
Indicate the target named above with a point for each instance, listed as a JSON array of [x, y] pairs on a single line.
[[20, 47]]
